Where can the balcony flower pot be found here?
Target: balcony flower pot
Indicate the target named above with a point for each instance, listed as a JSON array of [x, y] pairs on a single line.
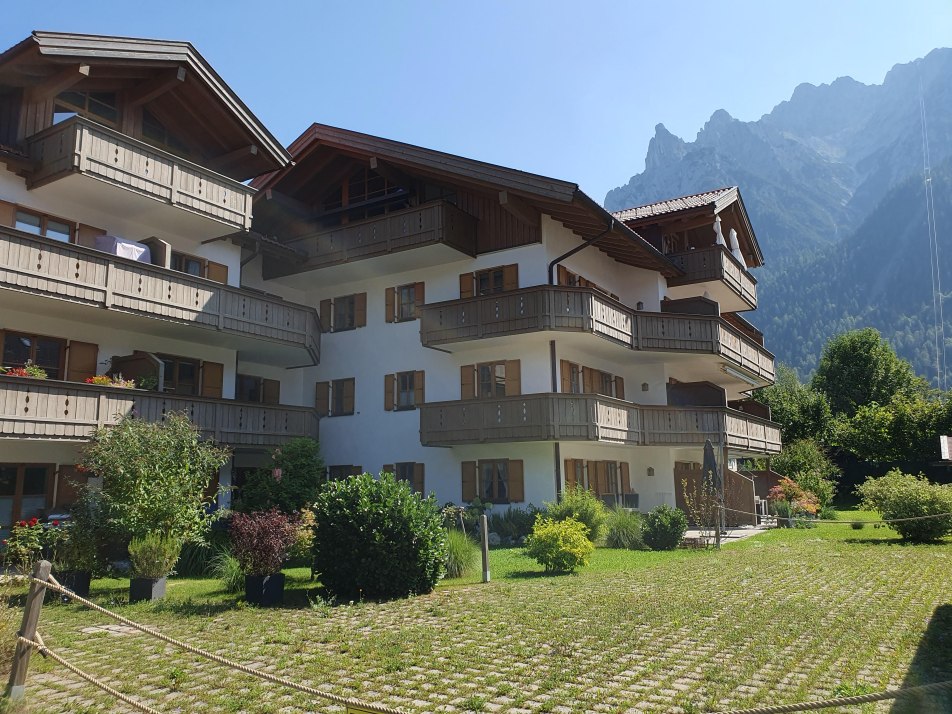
[[142, 589], [76, 580], [265, 590]]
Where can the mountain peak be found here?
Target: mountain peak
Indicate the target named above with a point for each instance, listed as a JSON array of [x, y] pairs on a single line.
[[664, 148]]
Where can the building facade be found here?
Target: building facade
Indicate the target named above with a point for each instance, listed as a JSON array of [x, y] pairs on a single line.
[[479, 331]]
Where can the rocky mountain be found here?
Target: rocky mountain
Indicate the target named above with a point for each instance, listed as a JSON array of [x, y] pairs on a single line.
[[833, 181]]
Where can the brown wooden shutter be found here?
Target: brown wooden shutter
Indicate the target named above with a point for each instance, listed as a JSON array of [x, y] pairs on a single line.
[[467, 381], [322, 398], [588, 380], [619, 388], [389, 387], [348, 400], [81, 360], [517, 489], [389, 469], [568, 476], [469, 481], [8, 214], [418, 477], [270, 391], [601, 471], [326, 316], [565, 369], [419, 393], [467, 285], [592, 472], [510, 277], [419, 298], [86, 236], [625, 477], [213, 377], [513, 378], [217, 272], [69, 485], [390, 304], [563, 275], [360, 310]]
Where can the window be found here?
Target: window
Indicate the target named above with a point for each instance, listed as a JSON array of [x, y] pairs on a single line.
[[188, 264], [341, 471], [571, 378], [46, 352], [344, 313], [23, 492], [43, 225], [257, 389], [364, 194], [403, 390], [404, 302], [489, 281], [180, 376], [409, 471], [490, 380], [608, 480], [493, 480], [567, 277], [585, 380], [335, 398], [99, 106]]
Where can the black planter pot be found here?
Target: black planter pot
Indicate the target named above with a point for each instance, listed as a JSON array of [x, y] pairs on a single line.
[[76, 580], [264, 590], [141, 589]]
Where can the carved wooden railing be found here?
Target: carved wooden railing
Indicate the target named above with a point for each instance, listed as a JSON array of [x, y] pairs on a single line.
[[53, 410], [715, 263]]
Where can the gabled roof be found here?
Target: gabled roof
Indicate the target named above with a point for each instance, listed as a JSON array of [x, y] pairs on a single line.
[[562, 200], [125, 61], [718, 199]]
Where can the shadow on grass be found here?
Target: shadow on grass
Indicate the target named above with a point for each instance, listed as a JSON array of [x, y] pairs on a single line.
[[529, 574], [877, 541], [931, 663]]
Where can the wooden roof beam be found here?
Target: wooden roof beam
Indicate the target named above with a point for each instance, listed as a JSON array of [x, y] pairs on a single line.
[[59, 82], [157, 86], [298, 208], [232, 157], [519, 208], [391, 173]]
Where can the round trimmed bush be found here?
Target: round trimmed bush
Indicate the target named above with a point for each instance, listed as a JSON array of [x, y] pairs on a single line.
[[664, 527], [584, 507], [899, 495], [377, 539], [561, 546]]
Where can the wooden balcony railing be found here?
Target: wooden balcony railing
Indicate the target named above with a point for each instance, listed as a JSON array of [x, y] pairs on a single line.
[[568, 309], [69, 411], [591, 417], [438, 222], [38, 265], [715, 263], [82, 146]]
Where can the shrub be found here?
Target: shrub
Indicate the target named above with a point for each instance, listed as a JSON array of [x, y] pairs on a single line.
[[857, 525], [261, 541], [25, 544], [153, 555], [559, 545], [301, 475], [226, 568], [583, 506], [462, 554], [514, 524], [377, 539], [623, 530], [899, 495], [86, 532], [827, 513], [300, 553], [664, 527]]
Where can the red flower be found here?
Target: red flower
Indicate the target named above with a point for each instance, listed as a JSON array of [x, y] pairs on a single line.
[[33, 521], [55, 523], [5, 541], [21, 524]]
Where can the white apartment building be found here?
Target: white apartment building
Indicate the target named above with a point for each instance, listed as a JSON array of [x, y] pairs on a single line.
[[480, 331]]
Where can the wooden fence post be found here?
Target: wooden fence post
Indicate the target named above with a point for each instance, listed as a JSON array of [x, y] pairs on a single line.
[[484, 536], [16, 688]]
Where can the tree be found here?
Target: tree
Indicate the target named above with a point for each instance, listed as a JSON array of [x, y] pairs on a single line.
[[806, 463], [801, 411], [858, 368], [301, 473], [905, 429], [155, 476]]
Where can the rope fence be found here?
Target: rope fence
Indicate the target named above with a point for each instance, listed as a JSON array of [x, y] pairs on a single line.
[[882, 521]]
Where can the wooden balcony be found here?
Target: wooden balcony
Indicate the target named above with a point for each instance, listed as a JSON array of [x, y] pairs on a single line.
[[80, 146], [41, 266], [568, 309], [725, 278], [591, 417], [68, 411], [439, 223]]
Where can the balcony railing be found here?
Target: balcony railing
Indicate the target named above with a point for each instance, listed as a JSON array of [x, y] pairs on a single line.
[[568, 309], [42, 266], [715, 263], [69, 411], [431, 224], [591, 417], [82, 146]]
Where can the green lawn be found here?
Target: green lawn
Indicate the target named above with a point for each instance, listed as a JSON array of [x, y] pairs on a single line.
[[787, 616]]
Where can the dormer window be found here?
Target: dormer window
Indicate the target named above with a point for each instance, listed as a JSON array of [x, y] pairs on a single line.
[[155, 132], [98, 106], [364, 194]]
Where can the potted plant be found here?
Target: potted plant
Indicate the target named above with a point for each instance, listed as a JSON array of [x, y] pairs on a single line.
[[261, 543], [27, 370], [75, 554], [152, 558]]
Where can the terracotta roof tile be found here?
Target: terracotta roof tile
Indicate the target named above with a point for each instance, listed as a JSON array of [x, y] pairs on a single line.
[[672, 205]]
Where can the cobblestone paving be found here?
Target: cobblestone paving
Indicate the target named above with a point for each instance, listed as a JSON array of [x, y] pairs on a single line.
[[772, 621]]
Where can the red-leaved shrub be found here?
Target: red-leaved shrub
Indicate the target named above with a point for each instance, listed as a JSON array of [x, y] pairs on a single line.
[[261, 541]]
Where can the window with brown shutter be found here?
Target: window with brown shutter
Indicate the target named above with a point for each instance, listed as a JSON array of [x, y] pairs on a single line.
[[571, 377], [346, 312], [625, 477], [217, 272], [322, 398], [360, 310], [411, 472], [469, 481], [499, 480], [270, 391], [467, 285], [419, 391], [48, 353], [403, 390], [213, 374], [389, 391], [389, 306], [342, 397], [513, 378], [81, 360]]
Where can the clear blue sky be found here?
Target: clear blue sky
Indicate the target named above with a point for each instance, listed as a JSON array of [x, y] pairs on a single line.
[[567, 89]]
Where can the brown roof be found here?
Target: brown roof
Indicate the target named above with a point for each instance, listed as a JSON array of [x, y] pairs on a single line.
[[721, 196]]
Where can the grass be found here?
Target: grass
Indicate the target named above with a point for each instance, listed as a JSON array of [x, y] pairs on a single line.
[[784, 617]]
